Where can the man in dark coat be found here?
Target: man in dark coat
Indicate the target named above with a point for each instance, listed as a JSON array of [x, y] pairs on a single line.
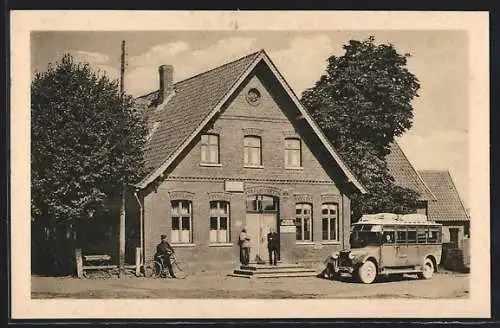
[[163, 252], [272, 246]]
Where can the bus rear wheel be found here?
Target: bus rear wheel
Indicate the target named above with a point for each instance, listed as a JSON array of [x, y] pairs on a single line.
[[428, 270], [367, 272]]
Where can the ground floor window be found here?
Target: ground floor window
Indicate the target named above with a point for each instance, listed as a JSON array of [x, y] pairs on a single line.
[[303, 222], [182, 221], [219, 222], [329, 221]]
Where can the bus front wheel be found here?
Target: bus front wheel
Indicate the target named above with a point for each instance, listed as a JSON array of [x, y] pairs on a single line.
[[367, 272], [428, 269]]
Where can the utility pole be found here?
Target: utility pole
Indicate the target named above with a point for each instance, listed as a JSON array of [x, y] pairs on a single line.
[[122, 205], [122, 69]]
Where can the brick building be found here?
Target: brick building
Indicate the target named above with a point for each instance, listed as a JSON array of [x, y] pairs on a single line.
[[233, 147]]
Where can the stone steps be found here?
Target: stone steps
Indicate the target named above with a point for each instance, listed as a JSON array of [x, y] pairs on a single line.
[[282, 270]]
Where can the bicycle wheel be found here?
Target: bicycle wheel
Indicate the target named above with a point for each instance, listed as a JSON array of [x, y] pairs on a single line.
[[177, 268], [153, 269]]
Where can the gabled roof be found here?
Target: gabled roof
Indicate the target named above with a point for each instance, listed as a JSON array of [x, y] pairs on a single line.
[[181, 115], [449, 206], [404, 173], [195, 101]]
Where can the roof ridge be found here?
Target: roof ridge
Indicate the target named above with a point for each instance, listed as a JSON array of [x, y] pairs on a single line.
[[217, 67], [207, 71], [433, 171]]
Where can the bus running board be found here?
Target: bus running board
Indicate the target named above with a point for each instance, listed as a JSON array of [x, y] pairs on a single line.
[[400, 271]]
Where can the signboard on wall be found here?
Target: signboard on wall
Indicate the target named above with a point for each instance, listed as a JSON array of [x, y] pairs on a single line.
[[287, 226], [287, 229], [233, 186], [287, 222]]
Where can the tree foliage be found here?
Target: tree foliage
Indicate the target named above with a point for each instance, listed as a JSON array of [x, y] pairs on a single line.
[[86, 140], [362, 102]]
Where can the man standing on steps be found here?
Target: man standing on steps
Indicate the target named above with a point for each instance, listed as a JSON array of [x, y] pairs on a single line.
[[272, 246], [244, 242]]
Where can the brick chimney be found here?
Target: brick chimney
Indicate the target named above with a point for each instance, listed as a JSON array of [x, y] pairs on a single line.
[[166, 81]]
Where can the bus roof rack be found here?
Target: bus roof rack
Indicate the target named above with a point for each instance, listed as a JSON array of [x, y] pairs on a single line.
[[394, 218]]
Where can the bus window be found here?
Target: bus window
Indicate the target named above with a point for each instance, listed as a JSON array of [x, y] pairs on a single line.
[[433, 236], [389, 235], [357, 227], [412, 235], [401, 236], [421, 235]]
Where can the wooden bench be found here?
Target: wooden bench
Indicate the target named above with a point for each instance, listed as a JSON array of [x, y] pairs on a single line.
[[100, 262], [97, 262]]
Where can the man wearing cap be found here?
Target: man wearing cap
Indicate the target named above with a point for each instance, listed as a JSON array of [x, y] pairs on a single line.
[[163, 252]]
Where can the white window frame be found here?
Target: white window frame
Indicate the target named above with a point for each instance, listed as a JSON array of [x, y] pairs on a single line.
[[220, 237], [180, 235], [210, 149], [290, 150], [303, 218], [329, 217], [247, 151]]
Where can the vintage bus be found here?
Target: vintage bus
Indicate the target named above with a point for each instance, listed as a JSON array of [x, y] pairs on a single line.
[[387, 243]]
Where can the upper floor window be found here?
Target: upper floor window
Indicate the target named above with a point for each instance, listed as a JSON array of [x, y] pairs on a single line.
[[293, 156], [329, 221], [219, 222], [182, 221], [303, 222], [252, 151], [210, 149]]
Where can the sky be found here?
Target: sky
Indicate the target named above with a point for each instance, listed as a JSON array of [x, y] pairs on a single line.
[[439, 59]]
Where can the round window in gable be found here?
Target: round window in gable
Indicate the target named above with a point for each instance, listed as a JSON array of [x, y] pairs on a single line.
[[253, 97]]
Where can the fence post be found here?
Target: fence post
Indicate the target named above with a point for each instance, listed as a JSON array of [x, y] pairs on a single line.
[[137, 261], [79, 262]]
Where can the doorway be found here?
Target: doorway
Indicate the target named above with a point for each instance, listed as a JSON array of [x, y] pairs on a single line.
[[262, 215], [454, 237]]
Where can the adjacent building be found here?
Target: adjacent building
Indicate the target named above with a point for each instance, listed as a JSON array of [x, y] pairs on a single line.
[[448, 209], [231, 148], [405, 175]]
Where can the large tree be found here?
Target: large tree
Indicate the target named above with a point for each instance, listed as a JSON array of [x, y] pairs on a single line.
[[362, 102], [86, 141]]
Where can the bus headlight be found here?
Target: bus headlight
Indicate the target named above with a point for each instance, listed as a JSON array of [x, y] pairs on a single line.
[[351, 256]]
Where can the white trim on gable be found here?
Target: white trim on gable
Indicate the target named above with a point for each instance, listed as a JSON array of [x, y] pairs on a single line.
[[159, 171], [262, 56]]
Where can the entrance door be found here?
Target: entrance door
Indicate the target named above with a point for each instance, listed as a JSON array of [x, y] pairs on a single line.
[[262, 215], [267, 221], [258, 226]]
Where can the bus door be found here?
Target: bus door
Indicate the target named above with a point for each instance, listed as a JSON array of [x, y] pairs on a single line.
[[388, 256], [413, 252], [422, 240], [401, 246]]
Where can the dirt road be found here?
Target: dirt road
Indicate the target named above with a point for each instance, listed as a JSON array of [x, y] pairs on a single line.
[[211, 285]]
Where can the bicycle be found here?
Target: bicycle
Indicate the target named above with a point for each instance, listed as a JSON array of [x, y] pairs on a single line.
[[156, 269]]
